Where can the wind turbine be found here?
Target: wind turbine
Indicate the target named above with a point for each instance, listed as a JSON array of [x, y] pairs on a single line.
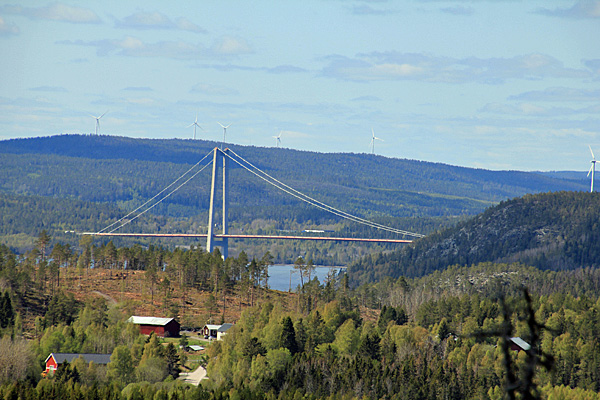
[[224, 130], [278, 139], [98, 121], [195, 124], [592, 169], [373, 139]]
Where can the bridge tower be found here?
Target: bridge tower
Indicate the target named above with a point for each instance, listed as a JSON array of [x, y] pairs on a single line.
[[220, 160]]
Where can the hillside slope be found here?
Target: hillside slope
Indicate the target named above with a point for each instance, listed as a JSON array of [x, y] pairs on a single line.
[[550, 231]]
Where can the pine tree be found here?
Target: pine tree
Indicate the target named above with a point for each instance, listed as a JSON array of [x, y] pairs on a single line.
[[172, 359], [288, 336]]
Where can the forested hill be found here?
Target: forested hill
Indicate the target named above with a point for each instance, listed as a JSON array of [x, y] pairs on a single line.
[[397, 177], [550, 231], [120, 174]]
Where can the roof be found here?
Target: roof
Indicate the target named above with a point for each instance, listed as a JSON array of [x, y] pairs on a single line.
[[149, 320], [70, 357], [195, 347], [521, 343], [213, 327], [224, 327]]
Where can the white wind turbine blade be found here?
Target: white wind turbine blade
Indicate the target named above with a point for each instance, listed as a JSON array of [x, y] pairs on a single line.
[[593, 158], [102, 114], [590, 171]]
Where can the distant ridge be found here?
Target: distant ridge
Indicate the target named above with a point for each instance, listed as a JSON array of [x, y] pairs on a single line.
[[366, 170]]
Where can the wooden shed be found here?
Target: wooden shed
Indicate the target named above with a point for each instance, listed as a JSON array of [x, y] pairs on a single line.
[[164, 327], [518, 344]]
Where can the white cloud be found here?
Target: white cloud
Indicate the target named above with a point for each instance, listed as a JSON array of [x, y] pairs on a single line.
[[563, 94], [429, 68], [368, 10], [52, 89], [458, 10], [186, 25], [532, 110], [228, 45], [138, 89], [55, 12], [593, 65], [366, 98], [156, 20], [581, 9], [7, 29], [134, 47], [206, 88], [284, 69]]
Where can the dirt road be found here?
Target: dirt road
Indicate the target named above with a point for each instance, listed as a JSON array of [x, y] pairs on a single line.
[[194, 377]]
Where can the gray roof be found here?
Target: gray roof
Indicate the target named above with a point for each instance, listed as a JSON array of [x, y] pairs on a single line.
[[70, 357], [521, 343], [224, 327], [149, 320]]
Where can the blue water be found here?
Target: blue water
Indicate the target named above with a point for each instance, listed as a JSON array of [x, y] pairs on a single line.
[[279, 276]]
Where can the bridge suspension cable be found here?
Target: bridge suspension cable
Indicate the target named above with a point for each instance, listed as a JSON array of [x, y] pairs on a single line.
[[301, 196], [158, 194]]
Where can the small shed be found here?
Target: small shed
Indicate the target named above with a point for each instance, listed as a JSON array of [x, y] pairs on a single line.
[[210, 331], [55, 359], [518, 344], [164, 327]]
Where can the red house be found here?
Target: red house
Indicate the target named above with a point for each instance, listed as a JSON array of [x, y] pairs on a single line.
[[164, 327], [55, 359]]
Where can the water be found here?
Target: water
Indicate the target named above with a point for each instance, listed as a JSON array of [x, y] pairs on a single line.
[[279, 276]]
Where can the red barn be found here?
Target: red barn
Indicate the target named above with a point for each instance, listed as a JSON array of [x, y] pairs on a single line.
[[164, 327], [55, 359]]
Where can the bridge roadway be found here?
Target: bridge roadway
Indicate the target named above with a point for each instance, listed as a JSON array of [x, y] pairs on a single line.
[[237, 236]]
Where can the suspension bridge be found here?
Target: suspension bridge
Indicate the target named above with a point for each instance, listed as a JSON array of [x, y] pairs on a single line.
[[220, 166]]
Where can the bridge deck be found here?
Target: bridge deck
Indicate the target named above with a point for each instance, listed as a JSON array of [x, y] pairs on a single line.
[[236, 236]]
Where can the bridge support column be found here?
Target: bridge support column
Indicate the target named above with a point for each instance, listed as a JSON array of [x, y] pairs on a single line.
[[219, 159]]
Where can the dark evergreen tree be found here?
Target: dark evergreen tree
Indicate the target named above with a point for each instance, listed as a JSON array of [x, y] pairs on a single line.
[[65, 373], [252, 348], [369, 346], [172, 359], [288, 336], [62, 308], [7, 313]]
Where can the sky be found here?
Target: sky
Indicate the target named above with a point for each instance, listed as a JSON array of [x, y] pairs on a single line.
[[487, 84]]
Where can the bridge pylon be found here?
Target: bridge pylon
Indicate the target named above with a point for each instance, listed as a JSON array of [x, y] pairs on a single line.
[[220, 160]]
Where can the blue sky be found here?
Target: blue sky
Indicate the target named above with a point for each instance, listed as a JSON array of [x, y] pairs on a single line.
[[487, 84]]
